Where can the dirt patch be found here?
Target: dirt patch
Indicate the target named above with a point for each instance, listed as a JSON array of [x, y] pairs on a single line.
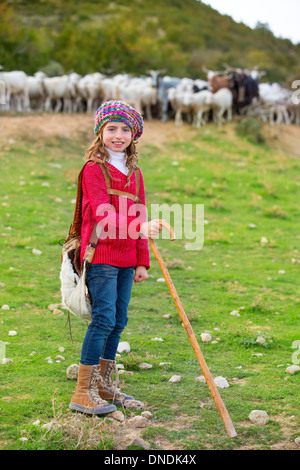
[[43, 126], [158, 133], [282, 138], [288, 427]]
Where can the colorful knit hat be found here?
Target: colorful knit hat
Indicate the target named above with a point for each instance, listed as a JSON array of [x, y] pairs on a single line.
[[121, 112]]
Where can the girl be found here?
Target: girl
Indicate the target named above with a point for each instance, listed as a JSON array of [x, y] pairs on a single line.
[[121, 254]]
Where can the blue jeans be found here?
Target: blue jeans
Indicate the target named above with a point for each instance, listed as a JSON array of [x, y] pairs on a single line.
[[110, 290]]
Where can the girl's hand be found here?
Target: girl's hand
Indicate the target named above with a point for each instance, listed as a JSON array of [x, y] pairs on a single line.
[[151, 229], [140, 274]]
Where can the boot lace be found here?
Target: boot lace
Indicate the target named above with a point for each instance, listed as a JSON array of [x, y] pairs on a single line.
[[93, 387], [108, 382]]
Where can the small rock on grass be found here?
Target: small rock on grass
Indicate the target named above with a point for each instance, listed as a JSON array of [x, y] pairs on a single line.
[[221, 382], [259, 417], [139, 442], [206, 337], [54, 306], [118, 415], [145, 365], [260, 340], [235, 313], [292, 369], [47, 426], [59, 358], [175, 379], [133, 439], [147, 414], [138, 422], [72, 371], [201, 379], [6, 360], [58, 312], [124, 347]]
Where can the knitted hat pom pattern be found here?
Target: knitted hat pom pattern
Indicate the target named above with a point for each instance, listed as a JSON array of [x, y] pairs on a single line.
[[121, 112]]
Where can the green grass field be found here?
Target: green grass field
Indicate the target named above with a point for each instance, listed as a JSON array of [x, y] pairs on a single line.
[[249, 191]]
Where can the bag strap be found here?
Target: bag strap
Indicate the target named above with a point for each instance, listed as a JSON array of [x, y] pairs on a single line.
[[106, 178], [116, 192], [137, 184], [90, 249]]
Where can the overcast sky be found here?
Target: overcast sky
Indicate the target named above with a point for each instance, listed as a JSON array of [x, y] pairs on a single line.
[[283, 16]]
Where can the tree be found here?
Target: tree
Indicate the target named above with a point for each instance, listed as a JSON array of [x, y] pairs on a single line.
[[260, 25]]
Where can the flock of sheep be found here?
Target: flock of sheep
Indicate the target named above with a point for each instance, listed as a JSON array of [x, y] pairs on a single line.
[[154, 95]]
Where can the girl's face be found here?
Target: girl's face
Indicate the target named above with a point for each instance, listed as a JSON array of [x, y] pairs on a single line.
[[116, 136]]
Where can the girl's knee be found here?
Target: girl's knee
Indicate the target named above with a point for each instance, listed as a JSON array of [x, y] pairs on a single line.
[[117, 329], [102, 328]]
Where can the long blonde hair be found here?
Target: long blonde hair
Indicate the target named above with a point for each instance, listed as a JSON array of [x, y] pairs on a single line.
[[96, 151]]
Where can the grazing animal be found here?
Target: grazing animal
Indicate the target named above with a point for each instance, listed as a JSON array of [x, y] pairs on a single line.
[[222, 102], [215, 83], [216, 80], [181, 103], [274, 101], [55, 89], [193, 104], [16, 90], [163, 84], [244, 89], [36, 90], [202, 103]]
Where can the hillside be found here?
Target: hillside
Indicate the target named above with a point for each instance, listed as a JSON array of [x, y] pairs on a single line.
[[242, 288], [178, 35]]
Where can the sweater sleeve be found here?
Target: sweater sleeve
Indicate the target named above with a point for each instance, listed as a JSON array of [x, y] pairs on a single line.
[[95, 188]]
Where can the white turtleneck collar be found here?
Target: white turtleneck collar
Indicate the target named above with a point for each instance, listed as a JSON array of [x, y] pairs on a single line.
[[117, 159]]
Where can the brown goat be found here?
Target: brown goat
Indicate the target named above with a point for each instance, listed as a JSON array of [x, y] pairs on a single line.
[[216, 83]]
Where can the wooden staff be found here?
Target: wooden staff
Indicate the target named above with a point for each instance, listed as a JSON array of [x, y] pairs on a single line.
[[206, 372]]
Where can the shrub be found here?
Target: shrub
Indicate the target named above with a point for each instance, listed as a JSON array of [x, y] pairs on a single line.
[[250, 128], [53, 69]]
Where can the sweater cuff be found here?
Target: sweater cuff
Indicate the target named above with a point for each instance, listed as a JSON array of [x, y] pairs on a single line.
[[143, 259]]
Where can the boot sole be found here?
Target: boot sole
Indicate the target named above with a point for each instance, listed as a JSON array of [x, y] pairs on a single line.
[[131, 400], [121, 403], [93, 411]]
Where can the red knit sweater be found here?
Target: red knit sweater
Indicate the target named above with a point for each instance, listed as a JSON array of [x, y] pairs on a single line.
[[119, 244]]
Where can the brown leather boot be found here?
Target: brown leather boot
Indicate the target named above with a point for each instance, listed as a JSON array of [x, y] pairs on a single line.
[[86, 398], [109, 391]]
